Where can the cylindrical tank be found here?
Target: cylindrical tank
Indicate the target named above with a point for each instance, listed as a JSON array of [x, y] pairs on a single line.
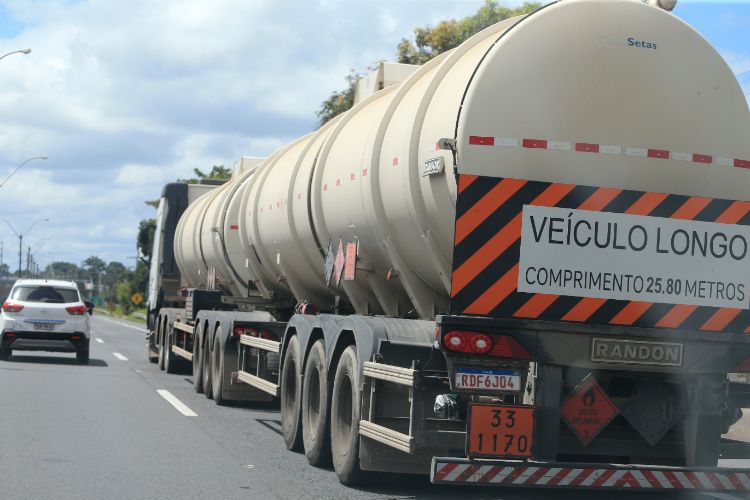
[[570, 72]]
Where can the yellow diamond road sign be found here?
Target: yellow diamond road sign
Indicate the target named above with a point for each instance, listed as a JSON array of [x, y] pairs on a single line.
[[136, 298]]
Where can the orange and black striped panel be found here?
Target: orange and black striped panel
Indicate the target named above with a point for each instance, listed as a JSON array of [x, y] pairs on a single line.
[[487, 247]]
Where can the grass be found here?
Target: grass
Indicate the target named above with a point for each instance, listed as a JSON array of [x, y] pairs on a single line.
[[136, 316]]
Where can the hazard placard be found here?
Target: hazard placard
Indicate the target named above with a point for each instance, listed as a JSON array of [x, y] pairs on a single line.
[[588, 410], [338, 266], [500, 431], [351, 261]]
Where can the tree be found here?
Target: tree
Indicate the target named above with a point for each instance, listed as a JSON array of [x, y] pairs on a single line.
[[123, 292], [115, 273], [428, 43], [94, 265], [218, 172], [145, 240], [63, 270], [339, 101]]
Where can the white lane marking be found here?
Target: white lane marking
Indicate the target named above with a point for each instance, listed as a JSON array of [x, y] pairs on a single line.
[[179, 405], [122, 323], [99, 340], [119, 356]]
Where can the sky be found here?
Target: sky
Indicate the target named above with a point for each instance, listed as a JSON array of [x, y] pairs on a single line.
[[124, 97]]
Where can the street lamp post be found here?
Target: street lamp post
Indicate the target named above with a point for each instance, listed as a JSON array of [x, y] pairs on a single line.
[[30, 261], [22, 51], [19, 168], [20, 240]]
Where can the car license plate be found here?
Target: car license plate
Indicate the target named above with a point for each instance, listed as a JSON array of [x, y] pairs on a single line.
[[44, 326], [500, 431], [487, 380]]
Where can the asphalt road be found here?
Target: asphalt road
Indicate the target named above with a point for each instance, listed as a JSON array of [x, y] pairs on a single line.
[[103, 431]]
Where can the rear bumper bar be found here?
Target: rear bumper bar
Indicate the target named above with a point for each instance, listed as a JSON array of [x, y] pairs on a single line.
[[45, 341], [506, 473]]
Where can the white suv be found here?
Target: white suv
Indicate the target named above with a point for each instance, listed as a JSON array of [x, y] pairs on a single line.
[[45, 315]]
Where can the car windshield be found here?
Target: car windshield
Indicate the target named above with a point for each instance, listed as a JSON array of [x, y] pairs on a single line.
[[45, 294]]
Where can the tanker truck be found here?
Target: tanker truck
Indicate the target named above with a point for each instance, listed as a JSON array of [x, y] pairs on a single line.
[[524, 265]]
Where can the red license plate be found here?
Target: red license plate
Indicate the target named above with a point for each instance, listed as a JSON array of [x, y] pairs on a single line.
[[500, 431]]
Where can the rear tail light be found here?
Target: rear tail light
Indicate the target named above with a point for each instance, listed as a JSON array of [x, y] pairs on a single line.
[[500, 346], [12, 307], [75, 337], [480, 344], [76, 310], [508, 347], [10, 334], [252, 332]]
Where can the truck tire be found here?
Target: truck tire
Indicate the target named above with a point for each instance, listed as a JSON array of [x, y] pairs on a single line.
[[161, 348], [346, 407], [152, 358], [291, 402], [217, 371], [171, 363], [207, 385], [198, 361], [315, 405]]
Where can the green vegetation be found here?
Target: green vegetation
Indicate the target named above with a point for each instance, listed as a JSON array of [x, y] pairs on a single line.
[[427, 43], [218, 172]]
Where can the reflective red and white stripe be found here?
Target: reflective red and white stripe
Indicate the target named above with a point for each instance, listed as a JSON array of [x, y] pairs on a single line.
[[608, 149], [569, 477]]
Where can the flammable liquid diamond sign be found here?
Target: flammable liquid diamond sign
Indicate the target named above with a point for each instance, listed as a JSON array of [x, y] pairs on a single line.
[[339, 264], [588, 410]]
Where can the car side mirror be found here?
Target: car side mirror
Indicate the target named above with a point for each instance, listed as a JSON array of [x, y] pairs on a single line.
[[89, 306]]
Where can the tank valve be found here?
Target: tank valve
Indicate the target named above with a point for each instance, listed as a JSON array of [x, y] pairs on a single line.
[[445, 406], [667, 5]]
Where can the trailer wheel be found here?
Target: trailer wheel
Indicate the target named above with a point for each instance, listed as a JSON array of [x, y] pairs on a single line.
[[161, 347], [217, 368], [207, 385], [153, 353], [170, 358], [315, 404], [291, 386], [198, 361], [346, 408]]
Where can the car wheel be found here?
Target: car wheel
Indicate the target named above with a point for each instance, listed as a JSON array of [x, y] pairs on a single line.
[[4, 354], [82, 356]]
